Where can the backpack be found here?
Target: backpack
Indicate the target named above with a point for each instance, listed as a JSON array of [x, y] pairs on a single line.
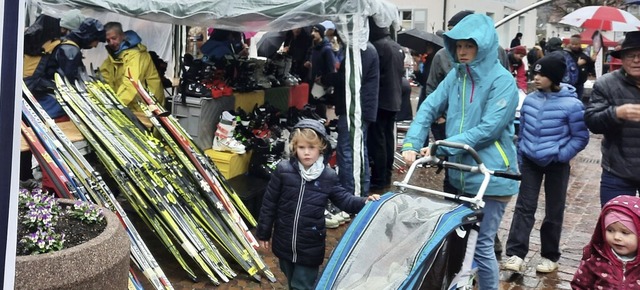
[[44, 28], [34, 67], [572, 72]]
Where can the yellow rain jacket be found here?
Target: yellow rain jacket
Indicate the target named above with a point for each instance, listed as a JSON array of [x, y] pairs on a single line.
[[137, 60]]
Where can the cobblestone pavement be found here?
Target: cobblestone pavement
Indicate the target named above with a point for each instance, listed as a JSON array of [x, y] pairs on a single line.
[[581, 212]]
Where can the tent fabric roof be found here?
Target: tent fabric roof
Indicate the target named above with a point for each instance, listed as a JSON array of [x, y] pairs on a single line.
[[238, 15]]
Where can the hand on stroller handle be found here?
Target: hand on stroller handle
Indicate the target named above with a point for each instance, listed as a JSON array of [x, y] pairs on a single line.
[[431, 158]]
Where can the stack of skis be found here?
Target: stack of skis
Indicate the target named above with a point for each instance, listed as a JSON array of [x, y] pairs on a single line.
[[175, 189]]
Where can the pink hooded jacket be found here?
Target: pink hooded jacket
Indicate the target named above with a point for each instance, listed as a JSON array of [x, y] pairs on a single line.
[[599, 267]]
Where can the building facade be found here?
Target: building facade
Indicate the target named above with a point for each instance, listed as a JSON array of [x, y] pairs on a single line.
[[432, 15]]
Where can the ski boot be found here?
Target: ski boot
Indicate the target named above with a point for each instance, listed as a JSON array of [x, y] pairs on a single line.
[[223, 140]]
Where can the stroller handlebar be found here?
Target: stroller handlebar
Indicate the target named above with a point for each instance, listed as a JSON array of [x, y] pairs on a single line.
[[479, 168]]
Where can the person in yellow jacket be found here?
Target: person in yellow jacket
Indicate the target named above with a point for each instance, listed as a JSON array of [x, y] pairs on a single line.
[[126, 53]]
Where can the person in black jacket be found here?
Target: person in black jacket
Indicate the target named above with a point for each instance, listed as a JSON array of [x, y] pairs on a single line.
[[294, 203], [585, 64], [381, 140], [349, 149], [614, 111]]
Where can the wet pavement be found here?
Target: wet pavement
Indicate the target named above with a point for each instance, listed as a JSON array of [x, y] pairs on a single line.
[[581, 213]]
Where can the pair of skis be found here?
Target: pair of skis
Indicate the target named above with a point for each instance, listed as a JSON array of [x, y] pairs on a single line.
[[88, 183]]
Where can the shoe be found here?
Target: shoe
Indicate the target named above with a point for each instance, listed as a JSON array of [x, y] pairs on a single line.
[[330, 220], [345, 216], [546, 266], [30, 184], [514, 263], [337, 213], [224, 136]]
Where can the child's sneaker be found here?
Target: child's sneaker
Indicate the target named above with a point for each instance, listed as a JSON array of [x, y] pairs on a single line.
[[345, 216], [514, 263], [546, 266], [330, 221]]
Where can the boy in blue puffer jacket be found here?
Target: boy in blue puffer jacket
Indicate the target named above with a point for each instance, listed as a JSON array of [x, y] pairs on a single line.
[[552, 132], [294, 203]]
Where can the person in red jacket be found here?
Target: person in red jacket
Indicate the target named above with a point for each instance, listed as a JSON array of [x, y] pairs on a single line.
[[517, 67], [610, 260]]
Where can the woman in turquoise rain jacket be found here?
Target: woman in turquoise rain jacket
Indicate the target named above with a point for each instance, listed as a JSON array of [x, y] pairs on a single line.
[[479, 97]]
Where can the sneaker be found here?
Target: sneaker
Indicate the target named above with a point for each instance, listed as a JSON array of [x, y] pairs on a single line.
[[330, 221], [345, 216], [546, 266], [514, 263]]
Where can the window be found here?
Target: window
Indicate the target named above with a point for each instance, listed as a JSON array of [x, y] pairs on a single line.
[[414, 19]]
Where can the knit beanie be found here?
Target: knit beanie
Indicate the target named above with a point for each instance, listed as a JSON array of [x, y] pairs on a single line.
[[71, 19], [519, 50], [320, 29], [456, 18], [616, 216], [552, 67]]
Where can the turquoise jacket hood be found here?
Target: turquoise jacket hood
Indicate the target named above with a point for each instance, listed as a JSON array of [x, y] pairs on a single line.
[[132, 39], [479, 100]]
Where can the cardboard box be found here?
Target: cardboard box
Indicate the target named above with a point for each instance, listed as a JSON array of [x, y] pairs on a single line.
[[230, 164]]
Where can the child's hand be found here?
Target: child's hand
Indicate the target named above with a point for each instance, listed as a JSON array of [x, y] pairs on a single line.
[[265, 245], [373, 197]]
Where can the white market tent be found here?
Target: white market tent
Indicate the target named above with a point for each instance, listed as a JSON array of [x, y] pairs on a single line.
[[350, 17]]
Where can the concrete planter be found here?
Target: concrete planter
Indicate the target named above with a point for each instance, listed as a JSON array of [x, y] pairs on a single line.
[[101, 263]]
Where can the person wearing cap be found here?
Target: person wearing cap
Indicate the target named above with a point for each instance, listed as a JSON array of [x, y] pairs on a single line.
[[516, 66], [337, 45], [70, 20], [610, 259], [292, 216], [65, 59], [127, 55], [479, 97], [322, 63], [554, 44], [552, 132], [614, 111]]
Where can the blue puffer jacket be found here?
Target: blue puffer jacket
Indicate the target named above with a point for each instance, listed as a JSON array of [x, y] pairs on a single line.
[[480, 100], [552, 127], [294, 209]]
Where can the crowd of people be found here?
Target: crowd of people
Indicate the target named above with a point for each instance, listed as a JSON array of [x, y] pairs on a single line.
[[469, 95]]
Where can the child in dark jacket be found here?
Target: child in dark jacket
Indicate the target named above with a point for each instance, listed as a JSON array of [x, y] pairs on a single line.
[[294, 203], [610, 260], [552, 132]]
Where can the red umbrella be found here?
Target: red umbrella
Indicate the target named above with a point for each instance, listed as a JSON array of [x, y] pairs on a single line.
[[602, 18]]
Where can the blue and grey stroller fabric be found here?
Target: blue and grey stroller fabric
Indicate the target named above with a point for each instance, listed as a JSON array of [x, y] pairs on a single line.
[[404, 241]]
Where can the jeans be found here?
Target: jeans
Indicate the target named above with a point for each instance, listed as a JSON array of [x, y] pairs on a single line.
[[382, 147], [485, 257], [556, 180], [345, 153], [612, 186], [299, 277]]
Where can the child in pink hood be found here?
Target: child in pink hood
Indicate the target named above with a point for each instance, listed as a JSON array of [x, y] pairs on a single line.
[[610, 260]]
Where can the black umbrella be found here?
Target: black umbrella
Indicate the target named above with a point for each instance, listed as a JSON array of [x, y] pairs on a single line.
[[418, 40], [270, 42]]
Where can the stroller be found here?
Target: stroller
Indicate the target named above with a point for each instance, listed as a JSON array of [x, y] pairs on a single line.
[[409, 240]]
